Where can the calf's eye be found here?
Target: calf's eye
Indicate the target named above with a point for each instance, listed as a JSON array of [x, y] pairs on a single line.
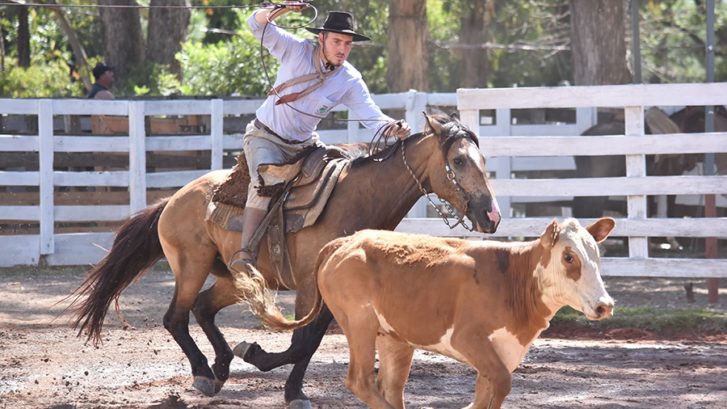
[[568, 258]]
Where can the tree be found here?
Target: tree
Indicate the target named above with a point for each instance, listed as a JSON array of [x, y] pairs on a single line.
[[474, 62], [598, 42], [407, 48], [23, 37], [167, 31], [123, 38]]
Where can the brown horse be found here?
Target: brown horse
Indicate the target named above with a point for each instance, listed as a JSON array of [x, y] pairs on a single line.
[[371, 193]]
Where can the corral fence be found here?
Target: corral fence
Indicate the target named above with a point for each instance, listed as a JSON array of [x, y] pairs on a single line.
[[78, 166]]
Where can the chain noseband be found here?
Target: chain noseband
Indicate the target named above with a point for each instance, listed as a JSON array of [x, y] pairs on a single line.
[[452, 177]]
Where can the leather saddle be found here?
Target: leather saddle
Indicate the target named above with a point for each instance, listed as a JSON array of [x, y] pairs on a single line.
[[299, 190]]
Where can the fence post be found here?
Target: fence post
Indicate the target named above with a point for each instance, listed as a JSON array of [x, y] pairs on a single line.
[[137, 157], [216, 133], [45, 167], [636, 167], [416, 103]]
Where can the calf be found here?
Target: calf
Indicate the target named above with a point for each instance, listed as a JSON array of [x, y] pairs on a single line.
[[479, 302]]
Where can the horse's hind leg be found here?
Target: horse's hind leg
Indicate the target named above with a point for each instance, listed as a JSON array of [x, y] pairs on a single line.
[[208, 304], [303, 345], [190, 276]]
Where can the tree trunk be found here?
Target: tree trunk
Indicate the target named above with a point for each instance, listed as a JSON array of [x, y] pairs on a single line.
[[598, 42], [473, 59], [407, 46], [123, 39], [79, 53], [23, 37], [167, 31]]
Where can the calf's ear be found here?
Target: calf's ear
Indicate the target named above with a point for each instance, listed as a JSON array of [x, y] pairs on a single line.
[[550, 235], [601, 228]]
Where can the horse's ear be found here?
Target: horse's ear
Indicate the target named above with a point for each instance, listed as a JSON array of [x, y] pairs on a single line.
[[433, 124], [454, 115]]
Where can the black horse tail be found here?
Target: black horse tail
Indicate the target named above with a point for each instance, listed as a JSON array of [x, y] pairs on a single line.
[[136, 248]]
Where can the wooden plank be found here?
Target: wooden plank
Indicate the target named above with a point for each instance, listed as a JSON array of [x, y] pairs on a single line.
[[172, 179], [637, 208], [76, 106], [80, 248], [18, 143], [178, 143], [137, 157], [19, 212], [45, 168], [91, 144], [91, 213], [19, 178], [177, 107], [241, 106], [603, 145], [13, 106], [442, 99], [617, 186], [114, 178], [592, 96], [664, 267], [19, 250], [534, 226], [216, 132]]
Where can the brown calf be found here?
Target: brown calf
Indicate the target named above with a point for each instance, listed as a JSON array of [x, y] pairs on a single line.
[[480, 302]]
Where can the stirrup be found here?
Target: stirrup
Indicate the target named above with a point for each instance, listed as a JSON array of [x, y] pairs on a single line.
[[241, 264]]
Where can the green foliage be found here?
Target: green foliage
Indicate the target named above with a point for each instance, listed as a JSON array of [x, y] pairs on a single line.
[[40, 80], [662, 321]]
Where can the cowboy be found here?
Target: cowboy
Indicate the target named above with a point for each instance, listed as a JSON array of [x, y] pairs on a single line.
[[313, 78]]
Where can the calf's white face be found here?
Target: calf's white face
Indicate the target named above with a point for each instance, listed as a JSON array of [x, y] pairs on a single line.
[[572, 276]]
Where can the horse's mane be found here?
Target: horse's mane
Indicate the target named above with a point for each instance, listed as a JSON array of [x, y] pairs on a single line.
[[385, 153], [447, 121]]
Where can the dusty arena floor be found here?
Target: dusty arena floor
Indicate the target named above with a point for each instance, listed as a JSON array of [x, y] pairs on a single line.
[[44, 365]]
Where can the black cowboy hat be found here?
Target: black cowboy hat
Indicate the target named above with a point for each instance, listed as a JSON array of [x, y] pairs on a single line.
[[339, 22]]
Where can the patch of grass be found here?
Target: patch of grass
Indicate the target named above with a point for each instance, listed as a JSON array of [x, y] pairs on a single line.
[[662, 321]]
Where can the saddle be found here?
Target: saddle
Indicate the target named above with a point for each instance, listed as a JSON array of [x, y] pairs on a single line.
[[299, 190]]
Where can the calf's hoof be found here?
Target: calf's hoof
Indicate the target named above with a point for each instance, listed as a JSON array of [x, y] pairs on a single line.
[[206, 385], [300, 404]]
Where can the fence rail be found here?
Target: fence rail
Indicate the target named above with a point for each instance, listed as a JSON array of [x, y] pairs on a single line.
[[509, 146]]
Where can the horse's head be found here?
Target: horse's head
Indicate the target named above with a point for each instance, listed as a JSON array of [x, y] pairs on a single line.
[[459, 175]]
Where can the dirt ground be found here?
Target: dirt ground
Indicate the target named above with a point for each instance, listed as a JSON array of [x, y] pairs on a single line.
[[44, 365]]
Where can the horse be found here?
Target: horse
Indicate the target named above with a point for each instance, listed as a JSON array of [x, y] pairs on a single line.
[[375, 191]]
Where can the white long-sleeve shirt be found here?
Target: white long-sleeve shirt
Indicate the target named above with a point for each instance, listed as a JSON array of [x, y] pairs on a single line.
[[345, 86]]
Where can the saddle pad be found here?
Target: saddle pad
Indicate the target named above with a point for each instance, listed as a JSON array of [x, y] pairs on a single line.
[[304, 204]]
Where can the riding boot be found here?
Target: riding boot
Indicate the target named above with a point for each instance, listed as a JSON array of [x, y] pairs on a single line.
[[245, 257]]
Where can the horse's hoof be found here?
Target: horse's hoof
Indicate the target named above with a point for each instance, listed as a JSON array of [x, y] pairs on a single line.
[[241, 349], [300, 404], [218, 385], [205, 385]]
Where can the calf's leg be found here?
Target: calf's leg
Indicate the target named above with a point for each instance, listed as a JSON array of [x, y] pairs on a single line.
[[394, 365], [494, 381]]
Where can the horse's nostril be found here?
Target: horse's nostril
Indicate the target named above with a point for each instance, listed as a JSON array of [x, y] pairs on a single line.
[[600, 310]]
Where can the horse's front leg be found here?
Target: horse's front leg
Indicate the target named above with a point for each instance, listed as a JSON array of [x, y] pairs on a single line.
[[209, 303]]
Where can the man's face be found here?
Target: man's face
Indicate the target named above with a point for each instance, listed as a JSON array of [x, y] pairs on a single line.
[[336, 47], [106, 78]]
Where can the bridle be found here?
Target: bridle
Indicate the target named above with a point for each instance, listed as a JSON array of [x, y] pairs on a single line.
[[451, 176]]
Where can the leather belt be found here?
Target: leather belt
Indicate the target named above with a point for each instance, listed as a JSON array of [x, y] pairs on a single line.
[[262, 126]]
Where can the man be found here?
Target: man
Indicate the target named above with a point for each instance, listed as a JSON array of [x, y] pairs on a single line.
[[104, 76], [313, 78]]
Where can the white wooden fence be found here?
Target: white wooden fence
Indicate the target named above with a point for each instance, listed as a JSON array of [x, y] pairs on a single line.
[[538, 147]]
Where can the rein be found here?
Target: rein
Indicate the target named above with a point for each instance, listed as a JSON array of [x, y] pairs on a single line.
[[452, 177]]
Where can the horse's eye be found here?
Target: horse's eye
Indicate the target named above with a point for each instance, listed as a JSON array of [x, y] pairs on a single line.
[[458, 161], [568, 258]]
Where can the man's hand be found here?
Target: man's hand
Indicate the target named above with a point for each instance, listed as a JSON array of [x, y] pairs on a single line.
[[399, 129], [275, 10]]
